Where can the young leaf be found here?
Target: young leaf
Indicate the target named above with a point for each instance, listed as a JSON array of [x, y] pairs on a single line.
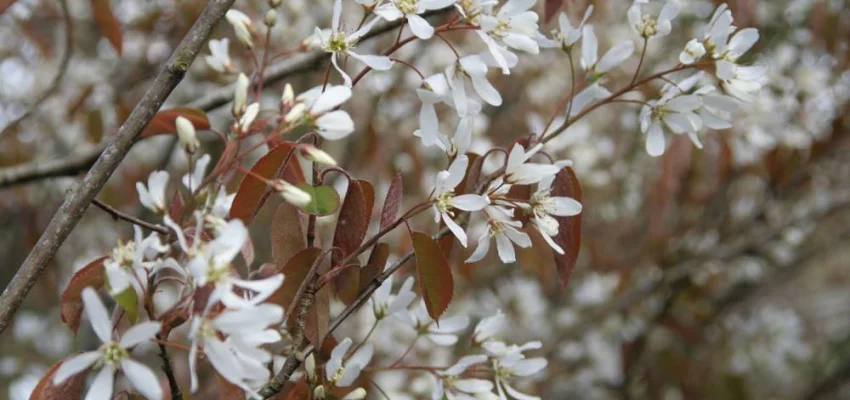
[[295, 270], [71, 388], [252, 192], [107, 24], [393, 202], [325, 199], [550, 8], [347, 283], [375, 265], [435, 276], [353, 221], [569, 232], [287, 234], [164, 122], [72, 302], [129, 301]]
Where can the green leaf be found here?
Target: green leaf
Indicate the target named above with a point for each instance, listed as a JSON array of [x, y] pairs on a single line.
[[129, 301], [325, 200], [435, 276]]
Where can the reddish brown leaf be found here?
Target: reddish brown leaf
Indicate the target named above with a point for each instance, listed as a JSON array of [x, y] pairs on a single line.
[[5, 4], [227, 390], [375, 265], [163, 123], [294, 272], [393, 202], [353, 219], [435, 276], [72, 302], [318, 317], [550, 8], [252, 192], [71, 388], [298, 391], [175, 211], [107, 24], [569, 233], [347, 283], [368, 194], [287, 234]]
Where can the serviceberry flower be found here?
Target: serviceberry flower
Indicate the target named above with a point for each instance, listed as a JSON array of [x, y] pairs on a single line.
[[385, 305], [410, 10], [675, 111], [152, 197], [319, 111], [219, 57], [505, 230], [291, 193], [336, 42], [445, 201], [342, 372], [488, 327], [451, 385], [518, 171], [130, 262], [435, 89], [247, 119], [648, 26], [739, 81], [112, 356], [694, 50], [193, 181], [474, 68], [240, 94], [514, 25], [509, 363], [242, 26], [444, 333], [544, 206], [615, 56], [566, 36], [186, 134]]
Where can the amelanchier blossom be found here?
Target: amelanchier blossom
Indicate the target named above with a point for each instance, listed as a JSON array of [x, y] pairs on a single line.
[[186, 134], [193, 180], [450, 383], [648, 26], [676, 112], [131, 262], [615, 56], [410, 10], [384, 304], [291, 193], [219, 57], [341, 371], [240, 94], [336, 42], [694, 50], [152, 197], [445, 201], [112, 356], [317, 107], [444, 333], [242, 26], [505, 230], [566, 35], [518, 171], [544, 206], [473, 68], [509, 363], [514, 25], [488, 327]]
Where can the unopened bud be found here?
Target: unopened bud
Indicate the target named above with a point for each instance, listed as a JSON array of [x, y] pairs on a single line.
[[295, 113], [270, 18], [356, 394], [240, 94], [288, 97], [275, 3], [292, 194], [319, 393], [186, 133], [310, 367], [317, 155], [242, 26], [248, 118]]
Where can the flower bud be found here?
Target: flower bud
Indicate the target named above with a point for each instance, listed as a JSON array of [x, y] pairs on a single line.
[[317, 155], [292, 194], [270, 18], [694, 50], [240, 94], [288, 97], [275, 3], [356, 394], [242, 26], [295, 113], [248, 118], [186, 133], [319, 393], [310, 367]]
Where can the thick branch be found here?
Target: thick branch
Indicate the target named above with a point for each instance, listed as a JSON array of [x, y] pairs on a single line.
[[78, 201]]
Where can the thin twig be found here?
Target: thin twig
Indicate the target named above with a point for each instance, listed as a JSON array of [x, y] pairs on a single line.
[[60, 73], [168, 369], [72, 209], [129, 218]]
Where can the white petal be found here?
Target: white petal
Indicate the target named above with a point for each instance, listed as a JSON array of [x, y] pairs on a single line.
[[457, 170], [142, 378], [443, 340], [335, 125], [505, 249], [482, 249], [378, 63], [420, 27], [589, 47], [97, 314], [518, 395], [363, 355], [101, 388], [388, 11], [470, 202], [456, 229], [349, 375], [337, 11], [74, 365], [332, 97], [564, 207], [486, 91], [655, 140], [474, 385], [616, 56], [140, 333], [529, 366]]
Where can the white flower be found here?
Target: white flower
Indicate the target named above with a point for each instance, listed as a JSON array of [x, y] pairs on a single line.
[[514, 25], [329, 123], [317, 155], [505, 230], [239, 358], [719, 29], [186, 134], [240, 94], [356, 394], [385, 305], [336, 42], [510, 363], [614, 57], [291, 193], [443, 333], [435, 89], [445, 199], [152, 197], [242, 26], [716, 108], [544, 206], [488, 327], [410, 9], [647, 26], [211, 265], [341, 371], [739, 81], [248, 117], [219, 58], [520, 172], [193, 181], [112, 356], [130, 263], [450, 383], [474, 68], [566, 36], [677, 113], [694, 50]]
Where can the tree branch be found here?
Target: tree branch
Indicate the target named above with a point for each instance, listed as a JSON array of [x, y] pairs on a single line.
[[77, 202], [129, 218]]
